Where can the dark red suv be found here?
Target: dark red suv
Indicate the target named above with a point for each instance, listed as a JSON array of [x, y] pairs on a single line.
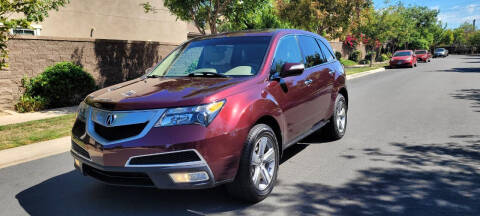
[[218, 109]]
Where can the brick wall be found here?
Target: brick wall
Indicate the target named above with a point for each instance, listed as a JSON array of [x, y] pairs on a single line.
[[109, 61]]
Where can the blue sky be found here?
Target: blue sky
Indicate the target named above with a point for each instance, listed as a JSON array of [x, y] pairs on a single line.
[[453, 12]]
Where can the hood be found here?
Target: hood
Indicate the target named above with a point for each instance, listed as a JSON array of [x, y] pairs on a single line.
[[400, 57], [154, 93]]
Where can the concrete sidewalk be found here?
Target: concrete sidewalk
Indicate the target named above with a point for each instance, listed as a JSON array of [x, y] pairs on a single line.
[[13, 156], [13, 117]]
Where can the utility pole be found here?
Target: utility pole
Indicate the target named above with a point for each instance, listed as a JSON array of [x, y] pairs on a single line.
[[474, 24]]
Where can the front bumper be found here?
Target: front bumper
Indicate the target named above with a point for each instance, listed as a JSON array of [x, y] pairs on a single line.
[[142, 176], [400, 63]]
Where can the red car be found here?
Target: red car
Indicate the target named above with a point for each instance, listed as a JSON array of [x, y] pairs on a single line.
[[403, 58], [423, 55], [219, 109]]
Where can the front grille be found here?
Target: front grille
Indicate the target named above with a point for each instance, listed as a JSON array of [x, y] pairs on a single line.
[[119, 178], [168, 158], [79, 150], [119, 132], [78, 128]]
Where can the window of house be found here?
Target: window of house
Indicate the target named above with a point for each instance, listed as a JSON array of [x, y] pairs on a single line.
[[23, 31]]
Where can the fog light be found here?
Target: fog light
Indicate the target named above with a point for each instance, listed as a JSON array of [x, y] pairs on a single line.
[[189, 177], [77, 163]]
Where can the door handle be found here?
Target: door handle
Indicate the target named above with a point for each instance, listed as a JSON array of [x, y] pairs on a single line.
[[308, 82]]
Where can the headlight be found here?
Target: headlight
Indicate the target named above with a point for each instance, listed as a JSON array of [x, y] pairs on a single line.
[[82, 111], [202, 115]]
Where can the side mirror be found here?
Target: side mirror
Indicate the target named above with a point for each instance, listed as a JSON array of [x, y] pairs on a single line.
[[292, 69]]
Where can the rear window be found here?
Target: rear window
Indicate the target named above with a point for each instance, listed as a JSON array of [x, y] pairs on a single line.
[[421, 52]]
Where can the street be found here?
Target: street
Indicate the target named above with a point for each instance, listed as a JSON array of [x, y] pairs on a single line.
[[412, 147]]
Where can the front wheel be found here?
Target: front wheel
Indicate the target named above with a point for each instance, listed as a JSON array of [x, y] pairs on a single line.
[[257, 173], [337, 126]]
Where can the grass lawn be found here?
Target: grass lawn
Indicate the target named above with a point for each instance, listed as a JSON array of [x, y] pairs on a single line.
[[363, 69], [14, 135]]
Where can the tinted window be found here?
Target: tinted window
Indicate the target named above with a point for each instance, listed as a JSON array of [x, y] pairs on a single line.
[[326, 51], [311, 52], [421, 52], [287, 52]]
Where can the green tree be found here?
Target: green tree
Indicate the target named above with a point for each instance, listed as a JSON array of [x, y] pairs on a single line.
[[20, 14], [333, 19], [258, 17], [209, 13], [448, 37]]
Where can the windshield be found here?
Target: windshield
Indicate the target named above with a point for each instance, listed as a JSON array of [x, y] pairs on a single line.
[[439, 50], [402, 53], [421, 52], [229, 56]]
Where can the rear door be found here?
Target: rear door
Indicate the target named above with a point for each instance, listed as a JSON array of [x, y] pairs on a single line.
[[332, 67], [294, 94], [318, 79]]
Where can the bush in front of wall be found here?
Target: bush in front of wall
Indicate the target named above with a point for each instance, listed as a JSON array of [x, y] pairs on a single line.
[[355, 56], [338, 55], [27, 103], [64, 84]]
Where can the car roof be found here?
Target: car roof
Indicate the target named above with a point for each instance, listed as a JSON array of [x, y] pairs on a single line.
[[404, 51], [262, 32]]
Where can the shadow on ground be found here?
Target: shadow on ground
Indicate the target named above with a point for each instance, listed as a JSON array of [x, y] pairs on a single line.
[[422, 179], [472, 95]]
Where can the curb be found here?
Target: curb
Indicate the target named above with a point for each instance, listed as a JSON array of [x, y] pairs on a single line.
[[30, 152], [365, 73]]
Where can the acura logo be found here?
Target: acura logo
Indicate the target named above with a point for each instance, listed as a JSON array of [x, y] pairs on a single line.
[[110, 119]]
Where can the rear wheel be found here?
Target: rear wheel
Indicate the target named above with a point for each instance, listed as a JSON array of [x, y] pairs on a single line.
[[257, 173], [337, 126]]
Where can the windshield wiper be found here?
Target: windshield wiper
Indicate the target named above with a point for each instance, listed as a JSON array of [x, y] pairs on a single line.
[[207, 74]]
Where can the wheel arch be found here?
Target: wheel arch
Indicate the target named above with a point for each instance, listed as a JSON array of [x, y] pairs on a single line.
[[273, 123]]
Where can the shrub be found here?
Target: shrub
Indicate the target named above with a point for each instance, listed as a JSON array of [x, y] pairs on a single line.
[[355, 56], [370, 55], [338, 55], [64, 84], [383, 57], [389, 55], [364, 62], [27, 103], [347, 62]]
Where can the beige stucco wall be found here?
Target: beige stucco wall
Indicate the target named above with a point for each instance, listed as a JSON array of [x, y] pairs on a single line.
[[115, 19]]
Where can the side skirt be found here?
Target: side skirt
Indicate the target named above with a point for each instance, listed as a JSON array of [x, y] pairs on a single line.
[[315, 127]]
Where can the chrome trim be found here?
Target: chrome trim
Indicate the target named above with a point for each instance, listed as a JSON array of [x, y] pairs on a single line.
[[121, 118], [193, 163]]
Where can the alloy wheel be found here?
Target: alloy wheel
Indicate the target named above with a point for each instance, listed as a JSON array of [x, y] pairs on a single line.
[[263, 163], [341, 116]]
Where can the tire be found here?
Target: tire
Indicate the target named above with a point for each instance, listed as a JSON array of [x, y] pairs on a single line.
[[335, 129], [244, 186]]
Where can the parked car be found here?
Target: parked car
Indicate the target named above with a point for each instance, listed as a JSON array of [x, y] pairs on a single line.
[[403, 58], [219, 109], [423, 55], [440, 52]]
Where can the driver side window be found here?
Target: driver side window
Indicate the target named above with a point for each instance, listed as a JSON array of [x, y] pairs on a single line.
[[287, 52]]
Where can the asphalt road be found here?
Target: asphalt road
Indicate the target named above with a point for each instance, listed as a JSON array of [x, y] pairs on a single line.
[[412, 148]]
